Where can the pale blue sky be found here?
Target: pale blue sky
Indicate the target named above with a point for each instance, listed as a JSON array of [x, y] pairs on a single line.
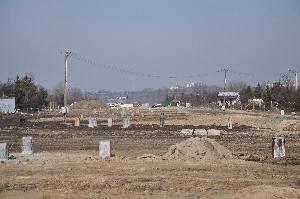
[[169, 38]]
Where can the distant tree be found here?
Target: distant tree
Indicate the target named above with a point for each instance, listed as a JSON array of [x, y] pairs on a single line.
[[168, 99], [258, 91], [284, 94], [57, 95], [27, 94], [42, 98], [75, 95], [267, 97], [236, 86], [245, 95], [7, 89], [297, 104]]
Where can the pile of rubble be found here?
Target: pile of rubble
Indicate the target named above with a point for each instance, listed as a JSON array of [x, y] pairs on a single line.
[[198, 149]]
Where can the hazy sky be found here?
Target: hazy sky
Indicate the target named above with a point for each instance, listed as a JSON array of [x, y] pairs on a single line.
[[168, 38]]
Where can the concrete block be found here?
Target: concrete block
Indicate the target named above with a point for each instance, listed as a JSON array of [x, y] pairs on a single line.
[[126, 122], [213, 132], [229, 125], [95, 122], [77, 122], [223, 108], [92, 123], [3, 151], [201, 132], [278, 147], [186, 132], [109, 122], [27, 145], [104, 149]]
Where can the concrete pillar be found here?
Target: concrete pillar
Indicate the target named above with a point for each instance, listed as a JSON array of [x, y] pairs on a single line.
[[95, 122], [27, 145], [92, 123], [201, 132], [109, 122], [213, 132], [3, 151], [77, 122], [223, 108], [278, 148], [104, 149], [230, 126], [126, 122]]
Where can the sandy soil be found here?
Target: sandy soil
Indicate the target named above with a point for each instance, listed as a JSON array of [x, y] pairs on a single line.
[[66, 163]]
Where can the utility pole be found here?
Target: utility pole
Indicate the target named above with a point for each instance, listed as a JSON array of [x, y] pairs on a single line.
[[67, 54], [296, 78], [226, 69]]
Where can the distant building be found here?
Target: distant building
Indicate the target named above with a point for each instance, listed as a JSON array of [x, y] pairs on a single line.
[[231, 98], [7, 105], [174, 87], [190, 85], [175, 102]]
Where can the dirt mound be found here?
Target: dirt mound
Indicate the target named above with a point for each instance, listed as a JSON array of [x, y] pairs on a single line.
[[198, 149], [90, 105]]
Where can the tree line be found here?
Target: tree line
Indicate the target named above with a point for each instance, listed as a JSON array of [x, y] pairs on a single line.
[[28, 95], [281, 94]]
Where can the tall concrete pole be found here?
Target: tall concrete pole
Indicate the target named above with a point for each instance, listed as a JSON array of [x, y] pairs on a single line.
[[225, 78], [296, 78], [67, 54], [226, 69]]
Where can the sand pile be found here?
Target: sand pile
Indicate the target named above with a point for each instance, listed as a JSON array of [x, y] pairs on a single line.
[[198, 149], [90, 105]]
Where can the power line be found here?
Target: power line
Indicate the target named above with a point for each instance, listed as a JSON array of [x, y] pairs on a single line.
[[112, 68], [89, 61]]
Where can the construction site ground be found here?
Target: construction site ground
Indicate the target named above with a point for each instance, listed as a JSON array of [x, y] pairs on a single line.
[[66, 161]]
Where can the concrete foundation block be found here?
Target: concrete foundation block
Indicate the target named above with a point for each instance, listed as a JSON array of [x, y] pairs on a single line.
[[109, 122], [229, 125], [278, 148], [27, 145], [186, 132], [213, 132], [3, 151], [92, 123], [95, 122], [200, 132], [104, 149], [126, 122], [77, 122]]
